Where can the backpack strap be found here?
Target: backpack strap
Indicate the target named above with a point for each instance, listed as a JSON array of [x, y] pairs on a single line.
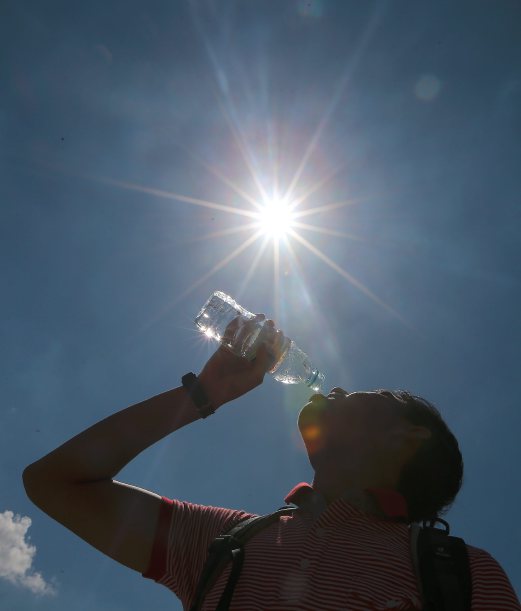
[[230, 546], [440, 561], [442, 566]]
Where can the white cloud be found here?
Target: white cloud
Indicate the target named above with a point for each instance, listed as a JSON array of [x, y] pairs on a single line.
[[16, 554]]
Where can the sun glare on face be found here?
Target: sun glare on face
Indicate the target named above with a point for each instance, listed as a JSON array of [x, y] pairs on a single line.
[[276, 218]]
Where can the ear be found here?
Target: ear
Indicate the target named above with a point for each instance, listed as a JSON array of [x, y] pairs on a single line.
[[408, 438], [413, 438]]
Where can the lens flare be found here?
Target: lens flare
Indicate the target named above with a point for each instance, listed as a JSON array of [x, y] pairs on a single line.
[[311, 432]]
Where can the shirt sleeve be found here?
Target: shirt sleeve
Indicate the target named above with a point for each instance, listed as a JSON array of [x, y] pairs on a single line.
[[183, 533], [491, 588]]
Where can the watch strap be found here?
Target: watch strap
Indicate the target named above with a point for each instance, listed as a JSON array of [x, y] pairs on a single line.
[[197, 394]]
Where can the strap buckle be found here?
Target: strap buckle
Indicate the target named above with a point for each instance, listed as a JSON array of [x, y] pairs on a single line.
[[432, 524], [228, 542]]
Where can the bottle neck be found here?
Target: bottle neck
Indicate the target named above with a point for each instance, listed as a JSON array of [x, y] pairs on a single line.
[[312, 378]]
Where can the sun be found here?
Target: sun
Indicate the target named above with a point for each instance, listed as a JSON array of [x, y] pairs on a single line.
[[275, 218]]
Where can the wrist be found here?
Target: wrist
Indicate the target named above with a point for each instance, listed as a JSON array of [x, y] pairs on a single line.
[[212, 390], [197, 393]]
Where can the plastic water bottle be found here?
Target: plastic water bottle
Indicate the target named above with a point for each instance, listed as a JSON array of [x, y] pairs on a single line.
[[293, 366]]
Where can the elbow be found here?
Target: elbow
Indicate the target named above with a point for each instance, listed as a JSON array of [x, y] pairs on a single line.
[[29, 481], [43, 489], [34, 483]]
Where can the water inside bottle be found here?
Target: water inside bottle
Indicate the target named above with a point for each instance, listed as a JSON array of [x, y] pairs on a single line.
[[295, 368]]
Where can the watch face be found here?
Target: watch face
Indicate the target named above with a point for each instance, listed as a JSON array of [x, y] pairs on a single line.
[[188, 379]]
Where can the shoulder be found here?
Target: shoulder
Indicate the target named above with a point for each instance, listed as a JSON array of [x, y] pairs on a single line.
[[194, 522], [483, 563], [491, 587], [183, 533]]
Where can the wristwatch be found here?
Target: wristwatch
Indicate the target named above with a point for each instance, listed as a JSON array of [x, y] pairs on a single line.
[[197, 394]]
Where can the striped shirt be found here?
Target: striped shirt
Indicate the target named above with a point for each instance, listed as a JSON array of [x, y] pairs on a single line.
[[353, 554]]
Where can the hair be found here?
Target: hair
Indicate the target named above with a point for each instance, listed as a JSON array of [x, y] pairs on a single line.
[[432, 478]]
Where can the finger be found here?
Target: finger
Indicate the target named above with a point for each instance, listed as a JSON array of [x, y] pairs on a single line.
[[274, 338], [247, 327], [231, 328], [263, 360], [270, 333], [237, 327], [280, 346]]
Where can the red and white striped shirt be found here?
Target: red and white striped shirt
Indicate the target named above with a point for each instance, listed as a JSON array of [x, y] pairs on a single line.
[[349, 555]]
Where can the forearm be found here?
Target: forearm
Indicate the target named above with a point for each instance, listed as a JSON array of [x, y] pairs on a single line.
[[101, 451]]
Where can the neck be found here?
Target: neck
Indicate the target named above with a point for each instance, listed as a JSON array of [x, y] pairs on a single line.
[[333, 484]]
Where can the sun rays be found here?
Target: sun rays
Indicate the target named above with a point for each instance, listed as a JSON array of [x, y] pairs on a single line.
[[276, 208], [267, 219]]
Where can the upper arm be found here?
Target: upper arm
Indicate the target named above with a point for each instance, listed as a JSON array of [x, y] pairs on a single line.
[[116, 518]]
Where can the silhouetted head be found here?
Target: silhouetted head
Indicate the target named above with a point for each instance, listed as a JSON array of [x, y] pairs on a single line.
[[384, 439]]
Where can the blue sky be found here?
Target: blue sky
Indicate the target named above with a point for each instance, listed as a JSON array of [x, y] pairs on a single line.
[[409, 111]]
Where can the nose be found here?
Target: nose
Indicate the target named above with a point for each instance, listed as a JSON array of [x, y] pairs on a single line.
[[317, 398]]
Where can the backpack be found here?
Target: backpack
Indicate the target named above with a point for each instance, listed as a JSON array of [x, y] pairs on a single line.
[[441, 563]]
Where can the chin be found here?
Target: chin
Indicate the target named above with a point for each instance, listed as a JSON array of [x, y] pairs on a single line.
[[312, 429], [313, 412]]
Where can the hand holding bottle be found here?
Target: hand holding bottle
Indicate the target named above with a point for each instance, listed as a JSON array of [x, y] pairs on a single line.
[[227, 376], [291, 365]]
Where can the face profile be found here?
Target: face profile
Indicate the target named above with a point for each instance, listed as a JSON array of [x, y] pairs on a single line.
[[366, 432]]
